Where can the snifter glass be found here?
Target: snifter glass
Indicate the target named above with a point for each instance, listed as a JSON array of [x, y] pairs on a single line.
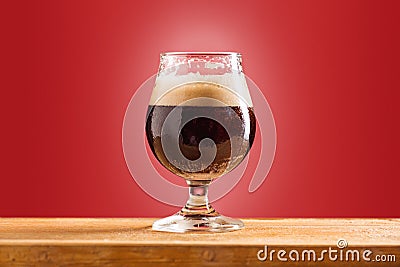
[[200, 126]]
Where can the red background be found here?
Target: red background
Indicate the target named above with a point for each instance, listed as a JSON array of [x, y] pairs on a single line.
[[329, 69]]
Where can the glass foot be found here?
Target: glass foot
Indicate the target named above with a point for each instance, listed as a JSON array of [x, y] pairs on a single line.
[[179, 224]]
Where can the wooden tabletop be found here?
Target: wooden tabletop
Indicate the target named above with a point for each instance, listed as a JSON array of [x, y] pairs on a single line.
[[131, 242]]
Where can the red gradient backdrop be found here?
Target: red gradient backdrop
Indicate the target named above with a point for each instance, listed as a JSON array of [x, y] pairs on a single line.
[[329, 69]]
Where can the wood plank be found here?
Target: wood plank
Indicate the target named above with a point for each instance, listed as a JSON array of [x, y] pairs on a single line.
[[131, 242]]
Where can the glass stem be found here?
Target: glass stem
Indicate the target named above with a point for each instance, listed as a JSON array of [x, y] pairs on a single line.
[[197, 204]]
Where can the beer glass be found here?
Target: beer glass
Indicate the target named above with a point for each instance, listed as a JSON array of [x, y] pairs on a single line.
[[200, 125]]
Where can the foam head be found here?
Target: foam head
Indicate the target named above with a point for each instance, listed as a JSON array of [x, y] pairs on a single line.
[[172, 90]]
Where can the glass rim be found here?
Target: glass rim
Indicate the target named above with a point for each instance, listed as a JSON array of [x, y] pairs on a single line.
[[200, 54]]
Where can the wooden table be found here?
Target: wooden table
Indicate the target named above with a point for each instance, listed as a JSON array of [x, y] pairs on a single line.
[[131, 242]]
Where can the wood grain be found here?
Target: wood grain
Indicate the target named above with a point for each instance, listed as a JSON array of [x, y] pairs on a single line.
[[131, 242]]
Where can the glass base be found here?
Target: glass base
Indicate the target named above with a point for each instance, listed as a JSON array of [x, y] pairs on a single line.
[[179, 224]]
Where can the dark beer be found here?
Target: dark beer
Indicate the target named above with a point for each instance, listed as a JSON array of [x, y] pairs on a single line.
[[239, 118]]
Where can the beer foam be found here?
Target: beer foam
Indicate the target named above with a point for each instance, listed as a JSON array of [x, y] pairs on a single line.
[[228, 89]]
